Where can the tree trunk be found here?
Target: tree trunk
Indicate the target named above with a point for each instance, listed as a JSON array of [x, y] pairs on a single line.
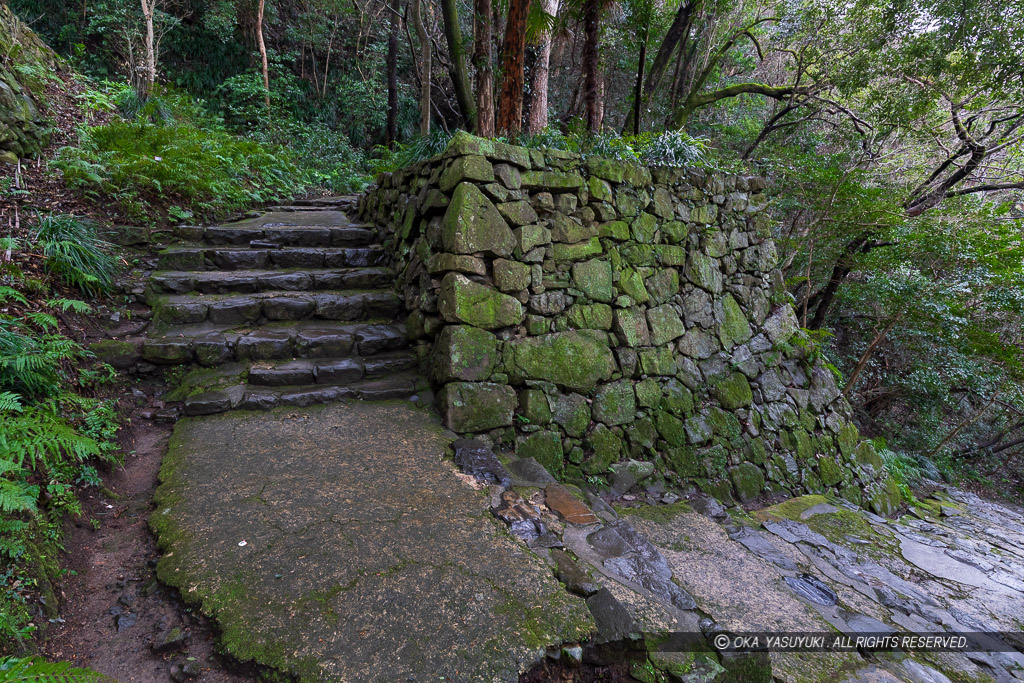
[[421, 33], [457, 50], [263, 53], [391, 132], [513, 54], [591, 33], [868, 352], [678, 32], [484, 73], [145, 84], [638, 91], [538, 117]]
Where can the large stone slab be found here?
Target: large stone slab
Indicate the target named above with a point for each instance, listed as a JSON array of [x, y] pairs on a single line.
[[335, 543]]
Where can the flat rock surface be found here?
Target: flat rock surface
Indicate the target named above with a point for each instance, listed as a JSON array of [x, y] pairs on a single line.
[[333, 549]]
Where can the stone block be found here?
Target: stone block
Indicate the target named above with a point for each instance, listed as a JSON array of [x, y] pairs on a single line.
[[464, 353], [462, 300], [476, 406]]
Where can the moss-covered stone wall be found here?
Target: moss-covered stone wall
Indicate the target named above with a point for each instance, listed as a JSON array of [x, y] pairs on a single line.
[[596, 315], [25, 63]]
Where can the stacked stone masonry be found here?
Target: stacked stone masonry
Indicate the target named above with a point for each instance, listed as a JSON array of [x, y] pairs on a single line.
[[598, 315]]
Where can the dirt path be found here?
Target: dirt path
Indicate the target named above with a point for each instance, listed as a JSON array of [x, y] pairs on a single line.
[[112, 559]]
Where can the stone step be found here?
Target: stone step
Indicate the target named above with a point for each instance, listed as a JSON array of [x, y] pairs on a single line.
[[250, 281], [200, 258], [330, 371], [244, 309], [248, 397], [291, 235], [333, 201], [212, 345]]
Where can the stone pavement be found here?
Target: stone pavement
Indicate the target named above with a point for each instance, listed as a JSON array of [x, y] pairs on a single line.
[[337, 543]]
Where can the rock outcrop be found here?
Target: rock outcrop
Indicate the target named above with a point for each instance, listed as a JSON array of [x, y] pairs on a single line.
[[25, 63], [588, 312]]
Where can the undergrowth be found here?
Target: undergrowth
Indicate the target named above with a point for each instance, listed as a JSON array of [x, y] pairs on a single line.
[[168, 151], [54, 433]]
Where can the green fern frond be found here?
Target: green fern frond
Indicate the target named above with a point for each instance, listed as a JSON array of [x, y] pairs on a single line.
[[43, 320], [73, 305], [37, 437], [38, 670], [10, 402], [11, 294]]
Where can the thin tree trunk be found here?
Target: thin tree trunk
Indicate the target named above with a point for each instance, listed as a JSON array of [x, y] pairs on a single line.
[[591, 32], [263, 53], [966, 423], [513, 55], [421, 33], [457, 51], [638, 91], [484, 72], [145, 86], [868, 352], [538, 117], [391, 132]]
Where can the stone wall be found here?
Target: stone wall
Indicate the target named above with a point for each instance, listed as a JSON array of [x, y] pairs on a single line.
[[24, 131], [605, 318]]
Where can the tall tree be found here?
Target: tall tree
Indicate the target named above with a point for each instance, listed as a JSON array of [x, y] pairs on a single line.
[[513, 56], [421, 33], [391, 126], [484, 74], [539, 75], [591, 63], [145, 83], [457, 52], [263, 52]]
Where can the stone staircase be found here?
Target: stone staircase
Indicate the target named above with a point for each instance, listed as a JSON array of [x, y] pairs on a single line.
[[290, 307]]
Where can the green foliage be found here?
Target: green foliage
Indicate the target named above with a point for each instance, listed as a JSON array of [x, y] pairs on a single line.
[[37, 670], [171, 152], [905, 472], [407, 154], [74, 253], [669, 148]]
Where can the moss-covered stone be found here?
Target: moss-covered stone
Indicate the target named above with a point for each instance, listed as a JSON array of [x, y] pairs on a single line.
[[644, 228], [665, 324], [605, 447], [618, 171], [575, 360], [462, 300], [470, 167], [674, 232], [677, 399], [552, 181], [747, 481], [118, 354], [631, 283], [703, 271], [848, 438], [704, 214], [534, 406], [631, 326], [464, 353], [615, 403], [865, 454], [517, 213], [463, 143], [599, 189], [660, 362], [471, 224], [648, 393], [594, 279], [684, 461], [615, 230], [577, 251], [733, 391], [829, 471], [670, 428], [511, 276], [545, 447], [572, 412], [529, 236], [663, 285], [590, 316], [476, 406], [443, 262], [642, 433], [734, 329]]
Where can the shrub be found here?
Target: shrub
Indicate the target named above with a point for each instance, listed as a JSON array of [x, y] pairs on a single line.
[[74, 253]]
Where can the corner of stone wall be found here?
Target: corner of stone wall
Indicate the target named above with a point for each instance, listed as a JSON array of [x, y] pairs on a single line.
[[598, 314]]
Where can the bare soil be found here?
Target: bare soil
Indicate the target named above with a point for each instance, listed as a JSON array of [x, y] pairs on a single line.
[[111, 551]]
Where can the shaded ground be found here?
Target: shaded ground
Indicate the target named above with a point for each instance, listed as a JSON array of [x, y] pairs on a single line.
[[337, 543], [111, 553]]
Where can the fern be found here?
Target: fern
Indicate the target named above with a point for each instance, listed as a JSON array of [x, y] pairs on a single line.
[[38, 437], [16, 495], [10, 402], [31, 365], [38, 670], [11, 294], [73, 305]]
